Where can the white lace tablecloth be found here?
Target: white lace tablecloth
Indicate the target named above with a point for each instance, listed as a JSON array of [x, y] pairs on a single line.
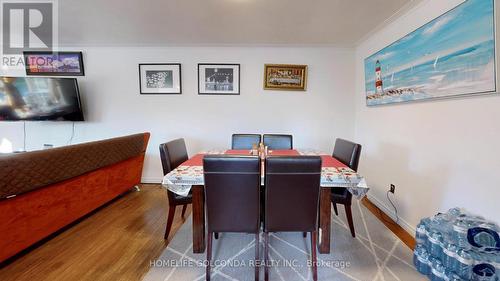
[[183, 177]]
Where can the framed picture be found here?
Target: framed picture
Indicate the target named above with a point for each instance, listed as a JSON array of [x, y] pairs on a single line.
[[450, 56], [160, 78], [54, 63], [218, 79], [285, 77]]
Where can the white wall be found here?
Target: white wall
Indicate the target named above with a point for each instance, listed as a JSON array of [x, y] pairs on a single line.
[[113, 105], [439, 154]]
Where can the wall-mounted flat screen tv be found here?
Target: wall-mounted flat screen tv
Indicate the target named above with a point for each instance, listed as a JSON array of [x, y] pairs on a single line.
[[39, 98]]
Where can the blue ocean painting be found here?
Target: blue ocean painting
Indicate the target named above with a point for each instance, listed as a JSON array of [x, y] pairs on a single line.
[[452, 55]]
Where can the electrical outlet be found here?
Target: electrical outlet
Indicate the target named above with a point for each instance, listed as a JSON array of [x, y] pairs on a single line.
[[47, 145], [392, 189]]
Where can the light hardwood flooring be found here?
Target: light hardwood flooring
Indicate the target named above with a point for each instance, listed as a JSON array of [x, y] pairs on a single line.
[[115, 243]]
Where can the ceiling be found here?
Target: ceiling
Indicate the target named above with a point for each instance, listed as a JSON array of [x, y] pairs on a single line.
[[221, 22]]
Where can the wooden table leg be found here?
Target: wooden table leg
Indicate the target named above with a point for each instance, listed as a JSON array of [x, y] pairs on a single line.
[[325, 213], [198, 219]]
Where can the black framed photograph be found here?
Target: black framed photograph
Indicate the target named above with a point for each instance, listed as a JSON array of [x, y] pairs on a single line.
[[218, 79], [54, 63], [160, 78]]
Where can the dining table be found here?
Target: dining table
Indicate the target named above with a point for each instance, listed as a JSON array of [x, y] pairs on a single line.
[[188, 178]]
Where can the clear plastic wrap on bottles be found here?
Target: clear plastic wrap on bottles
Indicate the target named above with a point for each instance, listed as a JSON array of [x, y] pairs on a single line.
[[457, 245], [463, 266], [449, 255], [436, 245], [421, 235], [437, 270], [421, 260], [452, 276]]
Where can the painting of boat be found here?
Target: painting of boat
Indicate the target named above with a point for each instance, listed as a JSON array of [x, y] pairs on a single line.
[[450, 56]]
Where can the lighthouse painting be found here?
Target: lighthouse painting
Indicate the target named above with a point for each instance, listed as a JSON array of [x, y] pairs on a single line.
[[452, 55], [378, 79]]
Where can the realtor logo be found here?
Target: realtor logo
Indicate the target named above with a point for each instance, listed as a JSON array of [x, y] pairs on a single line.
[[28, 26]]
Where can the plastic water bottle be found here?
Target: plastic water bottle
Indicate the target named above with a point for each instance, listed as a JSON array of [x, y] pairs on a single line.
[[493, 258], [417, 252], [421, 260], [421, 234], [456, 246], [440, 222], [452, 276], [449, 255], [497, 270], [463, 266], [455, 212], [424, 224], [436, 245], [496, 263], [437, 270], [484, 272], [459, 231]]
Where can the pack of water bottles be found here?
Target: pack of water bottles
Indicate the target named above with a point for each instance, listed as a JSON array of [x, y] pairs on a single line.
[[457, 245]]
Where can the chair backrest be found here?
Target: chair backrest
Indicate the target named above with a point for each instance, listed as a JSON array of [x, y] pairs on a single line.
[[278, 141], [172, 154], [292, 193], [347, 152], [245, 141], [232, 193]]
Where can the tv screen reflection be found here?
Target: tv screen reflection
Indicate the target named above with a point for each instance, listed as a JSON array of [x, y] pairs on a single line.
[[28, 98]]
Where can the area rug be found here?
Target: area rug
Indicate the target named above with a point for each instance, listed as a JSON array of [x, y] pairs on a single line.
[[375, 254]]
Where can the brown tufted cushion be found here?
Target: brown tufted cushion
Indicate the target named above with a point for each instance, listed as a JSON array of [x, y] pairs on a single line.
[[24, 172]]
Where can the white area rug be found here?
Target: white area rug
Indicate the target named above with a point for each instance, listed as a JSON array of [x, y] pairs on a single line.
[[375, 254]]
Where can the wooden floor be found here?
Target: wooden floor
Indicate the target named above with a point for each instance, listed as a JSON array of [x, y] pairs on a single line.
[[115, 243]]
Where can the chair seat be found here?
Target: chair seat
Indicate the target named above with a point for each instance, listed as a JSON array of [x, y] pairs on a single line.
[[341, 195], [180, 200]]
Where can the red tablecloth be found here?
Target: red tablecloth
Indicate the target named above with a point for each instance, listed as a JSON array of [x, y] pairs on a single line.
[[327, 160]]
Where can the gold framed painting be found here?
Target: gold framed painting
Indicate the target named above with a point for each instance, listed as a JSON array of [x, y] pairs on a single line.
[[285, 77]]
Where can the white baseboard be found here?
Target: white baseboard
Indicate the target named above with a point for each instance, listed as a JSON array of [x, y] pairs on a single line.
[[152, 180], [390, 212]]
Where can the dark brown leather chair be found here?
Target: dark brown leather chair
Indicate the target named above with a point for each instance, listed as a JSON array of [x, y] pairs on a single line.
[[173, 154], [232, 193], [348, 153], [278, 141], [245, 141], [292, 199]]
